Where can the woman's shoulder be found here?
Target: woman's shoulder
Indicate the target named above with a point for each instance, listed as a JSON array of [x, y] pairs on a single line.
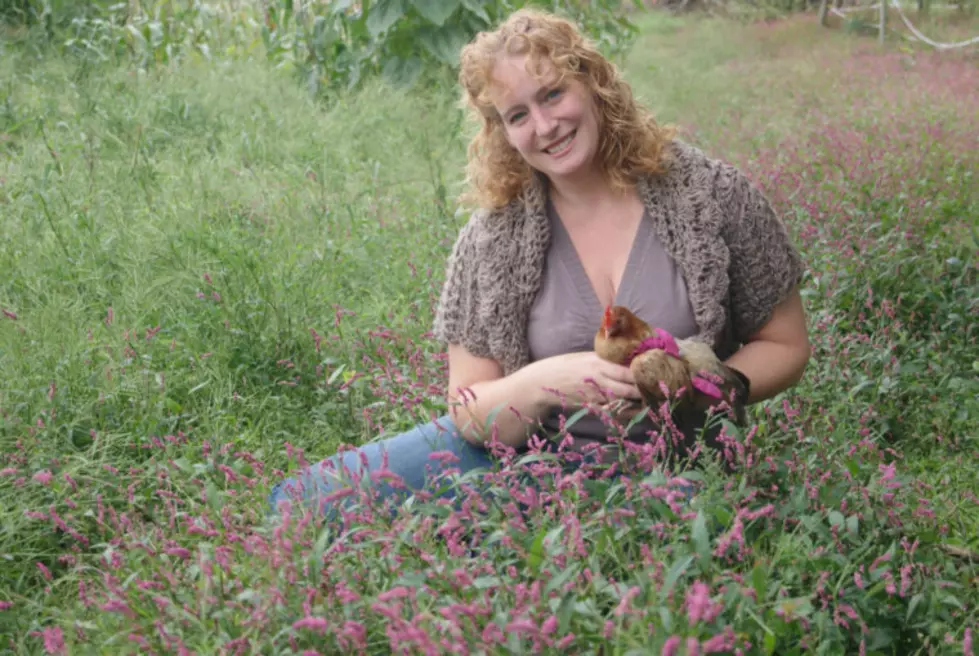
[[691, 167], [698, 178], [521, 220]]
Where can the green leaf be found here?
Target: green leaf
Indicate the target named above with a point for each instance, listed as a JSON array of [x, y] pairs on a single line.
[[484, 582], [436, 11], [536, 554], [859, 387], [552, 536], [321, 541], [880, 638], [915, 600], [679, 567], [565, 612], [759, 581], [573, 419], [558, 581], [412, 579], [796, 606], [402, 72], [701, 539], [214, 497], [444, 43], [769, 643], [476, 7], [383, 15]]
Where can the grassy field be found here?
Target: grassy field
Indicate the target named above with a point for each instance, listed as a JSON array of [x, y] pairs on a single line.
[[208, 278]]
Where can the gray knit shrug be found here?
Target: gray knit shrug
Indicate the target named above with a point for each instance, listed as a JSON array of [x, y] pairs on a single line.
[[734, 253]]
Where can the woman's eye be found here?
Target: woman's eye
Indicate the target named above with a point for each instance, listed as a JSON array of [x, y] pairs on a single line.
[[516, 117], [553, 93]]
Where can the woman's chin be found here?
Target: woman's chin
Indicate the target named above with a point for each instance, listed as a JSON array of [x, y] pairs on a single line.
[[567, 170]]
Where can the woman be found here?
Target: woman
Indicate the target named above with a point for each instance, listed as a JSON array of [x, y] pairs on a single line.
[[584, 201]]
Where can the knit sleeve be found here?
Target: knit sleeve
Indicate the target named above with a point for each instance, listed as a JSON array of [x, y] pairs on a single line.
[[457, 315], [764, 264]]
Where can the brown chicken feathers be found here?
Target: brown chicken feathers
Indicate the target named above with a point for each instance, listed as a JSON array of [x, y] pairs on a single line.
[[656, 357]]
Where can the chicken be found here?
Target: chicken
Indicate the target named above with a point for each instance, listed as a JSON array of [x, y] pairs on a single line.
[[655, 356]]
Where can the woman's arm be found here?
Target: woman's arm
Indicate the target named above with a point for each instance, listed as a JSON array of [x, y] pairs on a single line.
[[477, 388], [775, 357], [483, 401]]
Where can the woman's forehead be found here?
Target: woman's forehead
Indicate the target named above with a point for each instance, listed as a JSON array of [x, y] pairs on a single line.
[[517, 75]]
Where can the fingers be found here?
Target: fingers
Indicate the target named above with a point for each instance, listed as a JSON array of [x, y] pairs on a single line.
[[604, 388], [617, 372], [593, 379]]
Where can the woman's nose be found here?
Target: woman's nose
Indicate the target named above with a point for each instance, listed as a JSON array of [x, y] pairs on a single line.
[[544, 122]]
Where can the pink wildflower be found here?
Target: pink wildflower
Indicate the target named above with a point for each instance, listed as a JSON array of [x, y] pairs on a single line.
[[722, 642], [443, 456], [355, 631], [116, 606], [43, 477], [671, 646], [905, 579], [522, 625], [178, 552], [317, 624], [698, 604], [340, 493], [623, 607], [54, 641], [399, 592]]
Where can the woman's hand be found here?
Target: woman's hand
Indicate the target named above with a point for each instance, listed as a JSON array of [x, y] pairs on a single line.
[[484, 402], [583, 378]]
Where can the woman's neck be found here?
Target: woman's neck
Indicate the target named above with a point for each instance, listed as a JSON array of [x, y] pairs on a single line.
[[587, 196]]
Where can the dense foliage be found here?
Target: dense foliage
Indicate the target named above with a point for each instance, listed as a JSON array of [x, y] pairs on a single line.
[[330, 45]]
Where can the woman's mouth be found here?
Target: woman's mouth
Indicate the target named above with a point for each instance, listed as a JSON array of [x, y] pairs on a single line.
[[562, 146]]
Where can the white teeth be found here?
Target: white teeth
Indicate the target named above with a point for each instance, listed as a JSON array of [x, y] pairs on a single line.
[[559, 147]]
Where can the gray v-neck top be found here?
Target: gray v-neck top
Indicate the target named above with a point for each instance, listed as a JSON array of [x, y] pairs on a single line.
[[567, 312]]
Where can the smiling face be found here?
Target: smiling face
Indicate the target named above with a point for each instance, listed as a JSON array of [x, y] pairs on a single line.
[[553, 124]]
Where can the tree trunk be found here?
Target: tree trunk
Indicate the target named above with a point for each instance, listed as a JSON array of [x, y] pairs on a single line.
[[883, 21]]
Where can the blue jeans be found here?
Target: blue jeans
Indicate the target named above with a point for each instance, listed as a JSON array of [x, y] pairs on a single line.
[[408, 457]]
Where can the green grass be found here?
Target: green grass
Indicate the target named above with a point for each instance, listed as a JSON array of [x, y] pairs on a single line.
[[205, 266]]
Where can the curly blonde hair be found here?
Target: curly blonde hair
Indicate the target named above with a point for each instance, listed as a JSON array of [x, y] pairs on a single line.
[[631, 142]]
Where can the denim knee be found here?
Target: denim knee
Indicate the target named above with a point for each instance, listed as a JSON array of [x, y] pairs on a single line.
[[394, 467]]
